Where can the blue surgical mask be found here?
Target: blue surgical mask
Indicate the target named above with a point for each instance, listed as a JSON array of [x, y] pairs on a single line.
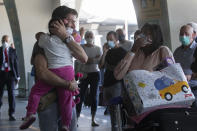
[[185, 40], [111, 44]]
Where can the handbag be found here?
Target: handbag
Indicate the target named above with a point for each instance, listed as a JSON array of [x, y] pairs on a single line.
[[152, 90]]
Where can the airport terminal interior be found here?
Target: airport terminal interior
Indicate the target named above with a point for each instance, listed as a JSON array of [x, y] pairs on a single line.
[[21, 20]]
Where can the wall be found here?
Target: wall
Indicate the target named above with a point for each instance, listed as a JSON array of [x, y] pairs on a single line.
[[180, 12], [157, 14], [4, 23], [33, 17], [174, 14]]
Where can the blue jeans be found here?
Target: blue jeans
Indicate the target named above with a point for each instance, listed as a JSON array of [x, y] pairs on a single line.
[[49, 119]]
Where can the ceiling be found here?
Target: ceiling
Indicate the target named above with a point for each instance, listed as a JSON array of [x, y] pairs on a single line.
[[107, 12]]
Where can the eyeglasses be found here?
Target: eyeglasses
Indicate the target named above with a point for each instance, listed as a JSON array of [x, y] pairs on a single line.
[[69, 20]]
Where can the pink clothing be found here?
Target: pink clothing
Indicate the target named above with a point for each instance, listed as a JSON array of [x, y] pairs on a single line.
[[65, 97]]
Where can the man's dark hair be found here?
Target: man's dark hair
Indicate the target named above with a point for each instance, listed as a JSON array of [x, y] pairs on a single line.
[[3, 38], [112, 33], [62, 12]]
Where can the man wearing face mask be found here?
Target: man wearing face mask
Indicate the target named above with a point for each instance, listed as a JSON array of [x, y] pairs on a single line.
[[92, 75], [125, 44], [194, 26], [184, 53], [9, 74]]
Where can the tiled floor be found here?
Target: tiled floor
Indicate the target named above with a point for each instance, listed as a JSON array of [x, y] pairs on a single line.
[[84, 121]]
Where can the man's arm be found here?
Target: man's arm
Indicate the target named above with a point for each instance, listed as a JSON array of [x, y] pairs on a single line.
[[95, 60], [43, 74], [77, 51]]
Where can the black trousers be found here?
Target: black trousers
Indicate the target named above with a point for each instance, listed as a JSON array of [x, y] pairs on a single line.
[[93, 80], [6, 78]]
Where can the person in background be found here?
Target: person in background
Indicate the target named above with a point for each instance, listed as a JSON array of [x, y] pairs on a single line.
[[184, 54], [194, 26], [92, 75], [9, 74], [112, 53], [76, 36], [125, 44], [12, 45], [137, 34], [112, 42], [34, 52], [82, 32]]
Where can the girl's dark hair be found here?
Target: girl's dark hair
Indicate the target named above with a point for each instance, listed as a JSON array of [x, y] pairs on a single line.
[[112, 33], [156, 33], [3, 38], [63, 11], [50, 23]]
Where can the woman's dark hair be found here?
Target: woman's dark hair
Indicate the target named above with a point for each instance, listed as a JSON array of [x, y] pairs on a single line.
[[3, 38], [62, 12], [137, 32], [112, 33], [156, 33]]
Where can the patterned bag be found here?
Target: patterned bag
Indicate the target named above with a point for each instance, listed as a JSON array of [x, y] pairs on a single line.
[[157, 89]]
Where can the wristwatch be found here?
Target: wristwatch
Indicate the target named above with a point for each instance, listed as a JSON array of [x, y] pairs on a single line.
[[67, 39]]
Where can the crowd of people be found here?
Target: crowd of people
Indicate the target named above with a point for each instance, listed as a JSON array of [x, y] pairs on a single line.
[[56, 93]]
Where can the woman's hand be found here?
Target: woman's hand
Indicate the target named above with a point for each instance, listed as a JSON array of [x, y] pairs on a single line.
[[140, 42]]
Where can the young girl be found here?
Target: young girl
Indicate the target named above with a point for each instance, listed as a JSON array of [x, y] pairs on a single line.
[[60, 62]]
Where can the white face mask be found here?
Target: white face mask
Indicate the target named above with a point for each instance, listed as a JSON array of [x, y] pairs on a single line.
[[5, 45], [69, 30], [89, 40]]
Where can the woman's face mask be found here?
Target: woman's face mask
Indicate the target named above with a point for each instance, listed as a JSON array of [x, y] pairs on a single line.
[[111, 44], [185, 40]]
